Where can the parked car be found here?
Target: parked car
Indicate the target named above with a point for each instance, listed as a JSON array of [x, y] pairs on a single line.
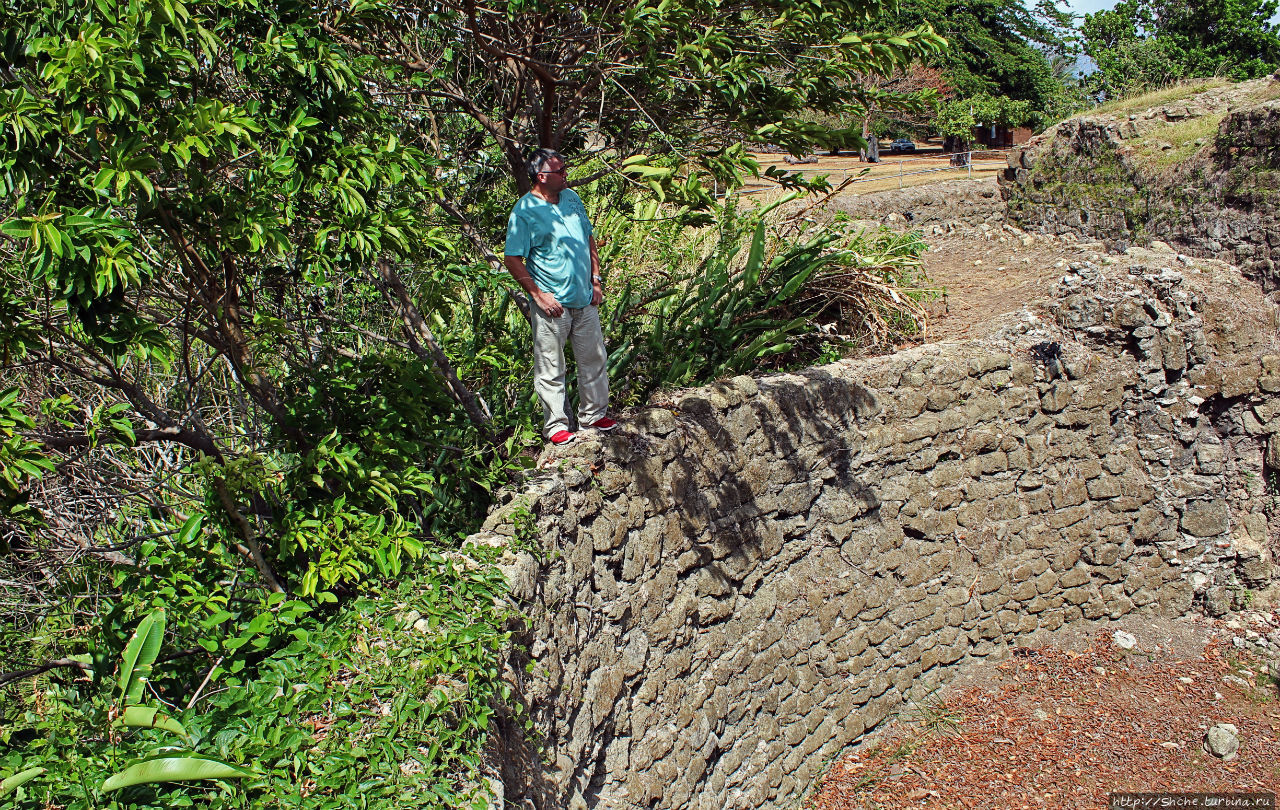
[[902, 145]]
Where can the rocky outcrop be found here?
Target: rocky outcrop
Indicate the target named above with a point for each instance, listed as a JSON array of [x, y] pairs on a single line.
[[1135, 179], [735, 585], [949, 203]]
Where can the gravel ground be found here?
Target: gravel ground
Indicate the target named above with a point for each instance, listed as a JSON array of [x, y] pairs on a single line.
[[1064, 725]]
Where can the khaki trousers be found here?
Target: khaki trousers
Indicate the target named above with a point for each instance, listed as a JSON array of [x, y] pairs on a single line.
[[581, 327]]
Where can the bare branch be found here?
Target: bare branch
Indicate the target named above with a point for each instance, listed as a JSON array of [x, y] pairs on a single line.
[[61, 663]]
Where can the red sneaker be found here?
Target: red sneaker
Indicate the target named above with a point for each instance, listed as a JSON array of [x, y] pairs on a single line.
[[562, 437], [604, 424]]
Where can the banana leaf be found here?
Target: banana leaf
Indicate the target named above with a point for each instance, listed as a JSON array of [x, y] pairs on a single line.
[[18, 779], [148, 717], [139, 654], [174, 767]]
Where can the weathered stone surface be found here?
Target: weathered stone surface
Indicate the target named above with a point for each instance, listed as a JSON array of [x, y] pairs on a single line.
[[1206, 518], [1222, 740], [1081, 178], [728, 591]]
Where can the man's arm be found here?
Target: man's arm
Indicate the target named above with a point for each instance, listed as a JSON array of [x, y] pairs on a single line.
[[545, 301], [597, 283]]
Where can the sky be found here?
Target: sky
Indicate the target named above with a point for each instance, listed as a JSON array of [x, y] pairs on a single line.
[[1083, 7]]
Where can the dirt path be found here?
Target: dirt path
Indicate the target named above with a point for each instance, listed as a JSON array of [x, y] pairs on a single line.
[[1064, 726], [986, 274]]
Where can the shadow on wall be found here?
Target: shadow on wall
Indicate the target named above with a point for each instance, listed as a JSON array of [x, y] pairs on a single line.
[[731, 590]]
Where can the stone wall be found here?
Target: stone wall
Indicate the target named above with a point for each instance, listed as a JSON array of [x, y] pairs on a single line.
[[737, 584], [1109, 178], [949, 203]]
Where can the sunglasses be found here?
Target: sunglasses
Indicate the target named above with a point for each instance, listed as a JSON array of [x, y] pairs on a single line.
[[563, 172]]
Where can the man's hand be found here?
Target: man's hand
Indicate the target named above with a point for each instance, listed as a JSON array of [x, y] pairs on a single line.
[[548, 304], [544, 301], [597, 294]]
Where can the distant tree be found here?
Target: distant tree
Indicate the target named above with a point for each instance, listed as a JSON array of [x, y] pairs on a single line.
[[882, 101], [997, 48], [958, 117], [905, 100], [1145, 43]]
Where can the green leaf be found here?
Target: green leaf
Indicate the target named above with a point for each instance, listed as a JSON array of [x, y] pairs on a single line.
[[18, 779], [139, 654], [751, 273], [174, 768], [149, 717], [190, 529], [17, 228]]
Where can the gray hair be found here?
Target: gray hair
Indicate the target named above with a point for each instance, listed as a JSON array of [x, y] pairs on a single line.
[[538, 162]]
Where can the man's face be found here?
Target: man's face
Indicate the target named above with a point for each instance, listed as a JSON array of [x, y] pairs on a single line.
[[552, 176]]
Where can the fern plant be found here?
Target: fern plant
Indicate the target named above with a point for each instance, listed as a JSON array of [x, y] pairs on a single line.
[[727, 316]]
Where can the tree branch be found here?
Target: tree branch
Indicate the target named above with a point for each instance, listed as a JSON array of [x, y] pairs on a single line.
[[242, 527], [473, 234], [61, 663], [424, 344]]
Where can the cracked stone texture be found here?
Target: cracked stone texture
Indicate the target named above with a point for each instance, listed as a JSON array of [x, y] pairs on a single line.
[[724, 593]]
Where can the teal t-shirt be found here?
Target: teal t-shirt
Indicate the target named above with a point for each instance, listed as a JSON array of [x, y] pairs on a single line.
[[553, 239]]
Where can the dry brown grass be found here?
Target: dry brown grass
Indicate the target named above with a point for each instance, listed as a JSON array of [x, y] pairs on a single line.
[[1172, 144], [1157, 98]]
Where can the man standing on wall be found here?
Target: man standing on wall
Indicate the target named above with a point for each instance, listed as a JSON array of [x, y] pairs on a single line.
[[551, 253]]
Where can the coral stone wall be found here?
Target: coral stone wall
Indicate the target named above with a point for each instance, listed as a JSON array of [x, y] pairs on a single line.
[[949, 203], [1104, 177], [730, 589]]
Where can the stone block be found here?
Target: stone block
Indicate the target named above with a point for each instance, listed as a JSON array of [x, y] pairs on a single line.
[[1148, 525], [1071, 492], [1056, 397], [1103, 488], [1070, 516], [1205, 518], [1077, 576], [992, 362], [1024, 591]]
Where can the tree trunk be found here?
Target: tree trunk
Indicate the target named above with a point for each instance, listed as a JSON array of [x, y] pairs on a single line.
[[424, 344]]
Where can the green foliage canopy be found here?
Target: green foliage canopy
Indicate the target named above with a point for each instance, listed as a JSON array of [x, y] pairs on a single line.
[[690, 76], [959, 116], [1145, 43], [997, 48], [194, 192]]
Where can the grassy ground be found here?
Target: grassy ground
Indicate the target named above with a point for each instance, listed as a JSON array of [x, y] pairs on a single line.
[[1266, 92], [1157, 98], [1172, 144]]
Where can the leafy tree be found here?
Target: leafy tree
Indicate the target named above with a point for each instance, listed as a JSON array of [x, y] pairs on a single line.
[[997, 48], [205, 218], [208, 217], [1145, 43], [958, 117], [688, 78], [904, 100]]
